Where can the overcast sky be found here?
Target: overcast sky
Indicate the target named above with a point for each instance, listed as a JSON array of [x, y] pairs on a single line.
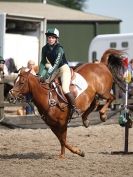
[[121, 9]]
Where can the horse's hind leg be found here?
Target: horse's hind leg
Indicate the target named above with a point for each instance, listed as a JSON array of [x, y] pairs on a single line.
[[109, 97], [87, 112], [61, 133]]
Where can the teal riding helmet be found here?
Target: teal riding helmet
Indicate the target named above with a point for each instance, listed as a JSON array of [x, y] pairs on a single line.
[[52, 32]]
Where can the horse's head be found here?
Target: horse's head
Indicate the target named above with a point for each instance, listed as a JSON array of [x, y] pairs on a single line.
[[20, 88]]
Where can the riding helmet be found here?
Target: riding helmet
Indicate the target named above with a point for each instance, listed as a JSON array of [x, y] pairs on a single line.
[[52, 32]]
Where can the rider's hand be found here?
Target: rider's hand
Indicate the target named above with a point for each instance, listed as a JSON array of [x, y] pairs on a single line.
[[41, 79]]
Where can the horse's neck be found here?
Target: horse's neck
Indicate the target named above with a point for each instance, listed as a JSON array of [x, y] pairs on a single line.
[[38, 91]]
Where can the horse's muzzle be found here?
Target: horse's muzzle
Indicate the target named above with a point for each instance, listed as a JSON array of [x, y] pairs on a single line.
[[13, 99]]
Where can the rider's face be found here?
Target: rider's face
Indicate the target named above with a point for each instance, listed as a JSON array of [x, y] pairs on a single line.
[[51, 40]]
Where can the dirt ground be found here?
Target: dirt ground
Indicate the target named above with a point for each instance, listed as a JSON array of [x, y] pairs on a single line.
[[34, 153]]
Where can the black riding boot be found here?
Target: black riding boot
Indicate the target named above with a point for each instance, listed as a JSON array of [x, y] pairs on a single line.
[[71, 101]]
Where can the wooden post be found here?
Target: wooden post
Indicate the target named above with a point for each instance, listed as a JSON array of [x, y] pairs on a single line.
[[126, 139]]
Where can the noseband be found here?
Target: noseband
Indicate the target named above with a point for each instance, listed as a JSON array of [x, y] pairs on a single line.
[[16, 89]]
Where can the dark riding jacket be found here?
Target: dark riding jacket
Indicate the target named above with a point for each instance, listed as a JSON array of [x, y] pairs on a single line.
[[54, 54]]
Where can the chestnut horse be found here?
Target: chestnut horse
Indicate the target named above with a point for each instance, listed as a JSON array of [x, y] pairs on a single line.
[[99, 79]]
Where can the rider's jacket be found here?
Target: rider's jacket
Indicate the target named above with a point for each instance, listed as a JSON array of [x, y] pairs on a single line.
[[54, 54]]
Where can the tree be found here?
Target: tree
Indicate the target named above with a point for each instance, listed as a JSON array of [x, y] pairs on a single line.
[[73, 4]]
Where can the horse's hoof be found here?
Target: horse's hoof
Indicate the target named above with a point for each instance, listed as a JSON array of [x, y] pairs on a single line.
[[103, 117], [82, 154], [86, 123], [61, 156]]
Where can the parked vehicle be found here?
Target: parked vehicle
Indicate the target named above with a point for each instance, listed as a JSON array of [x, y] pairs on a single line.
[[116, 41], [22, 45]]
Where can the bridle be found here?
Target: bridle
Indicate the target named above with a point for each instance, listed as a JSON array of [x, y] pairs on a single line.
[[20, 97]]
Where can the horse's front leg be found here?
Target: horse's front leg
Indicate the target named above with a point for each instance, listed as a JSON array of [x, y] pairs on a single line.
[[75, 150], [61, 134]]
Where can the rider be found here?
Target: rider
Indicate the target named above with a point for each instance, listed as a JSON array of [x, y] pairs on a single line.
[[53, 63]]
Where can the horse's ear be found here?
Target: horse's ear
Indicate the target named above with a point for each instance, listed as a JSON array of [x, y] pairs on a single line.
[[20, 70], [24, 69], [29, 71]]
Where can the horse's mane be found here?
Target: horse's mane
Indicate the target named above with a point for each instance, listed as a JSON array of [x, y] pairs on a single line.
[[27, 71], [24, 69]]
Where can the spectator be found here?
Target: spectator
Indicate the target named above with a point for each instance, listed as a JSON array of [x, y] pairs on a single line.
[[130, 69], [10, 64], [31, 66], [29, 107], [9, 76], [3, 68]]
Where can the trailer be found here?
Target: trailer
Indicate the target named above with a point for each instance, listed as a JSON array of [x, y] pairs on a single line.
[[21, 48], [101, 43], [2, 32], [22, 38]]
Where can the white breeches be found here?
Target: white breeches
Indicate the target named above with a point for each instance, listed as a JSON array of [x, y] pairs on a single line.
[[65, 74]]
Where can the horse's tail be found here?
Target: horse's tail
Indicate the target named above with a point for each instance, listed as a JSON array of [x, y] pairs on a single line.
[[117, 53], [113, 59]]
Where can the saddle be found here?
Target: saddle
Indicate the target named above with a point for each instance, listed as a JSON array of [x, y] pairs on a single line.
[[77, 85]]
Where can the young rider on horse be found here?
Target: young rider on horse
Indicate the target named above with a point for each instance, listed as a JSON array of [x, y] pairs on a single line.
[[53, 63]]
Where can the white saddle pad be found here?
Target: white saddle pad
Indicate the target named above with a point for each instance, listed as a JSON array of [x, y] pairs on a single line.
[[80, 83]]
